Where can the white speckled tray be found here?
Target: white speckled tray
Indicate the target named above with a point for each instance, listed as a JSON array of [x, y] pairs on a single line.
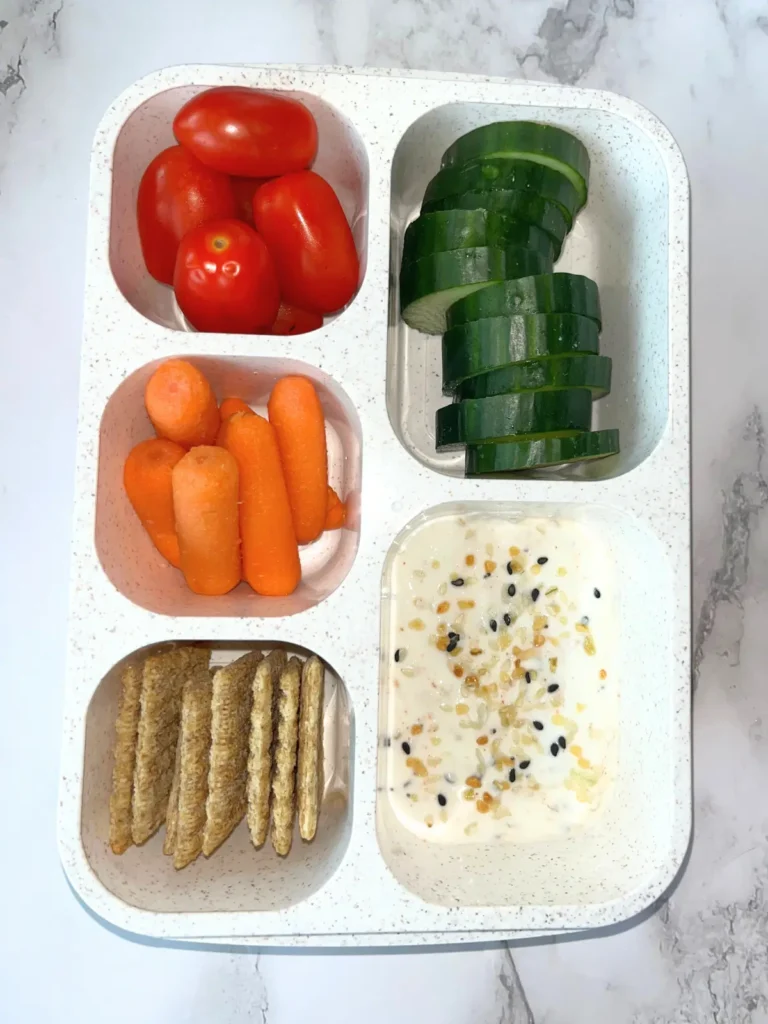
[[381, 137]]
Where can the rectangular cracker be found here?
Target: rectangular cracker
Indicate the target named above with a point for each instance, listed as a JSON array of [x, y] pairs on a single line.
[[265, 686], [284, 767], [126, 732], [163, 679], [172, 813], [194, 761], [310, 769], [230, 726]]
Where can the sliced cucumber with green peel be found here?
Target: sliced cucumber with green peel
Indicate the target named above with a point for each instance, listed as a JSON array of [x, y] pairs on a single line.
[[485, 345], [544, 293], [463, 229], [526, 207], [430, 285], [524, 175], [529, 416], [553, 373], [514, 456], [540, 143]]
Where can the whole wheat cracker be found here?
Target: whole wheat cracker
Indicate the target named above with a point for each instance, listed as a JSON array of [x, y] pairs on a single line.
[[230, 726], [172, 812], [309, 770], [126, 732], [194, 760], [163, 679], [265, 686], [284, 765]]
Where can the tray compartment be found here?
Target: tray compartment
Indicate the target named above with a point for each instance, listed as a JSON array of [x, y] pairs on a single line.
[[123, 546], [341, 160], [630, 837], [618, 239], [237, 877]]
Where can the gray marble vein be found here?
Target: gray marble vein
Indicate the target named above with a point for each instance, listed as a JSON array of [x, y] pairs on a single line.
[[515, 1008]]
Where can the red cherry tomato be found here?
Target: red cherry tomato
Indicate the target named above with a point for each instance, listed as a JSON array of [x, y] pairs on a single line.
[[292, 320], [244, 190], [304, 226], [247, 132], [225, 279], [176, 194]]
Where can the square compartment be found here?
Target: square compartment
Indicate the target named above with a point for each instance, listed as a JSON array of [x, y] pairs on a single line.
[[341, 160], [620, 239], [237, 877], [129, 558], [639, 833]]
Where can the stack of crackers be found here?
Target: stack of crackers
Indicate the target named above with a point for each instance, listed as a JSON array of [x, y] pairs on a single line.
[[201, 748]]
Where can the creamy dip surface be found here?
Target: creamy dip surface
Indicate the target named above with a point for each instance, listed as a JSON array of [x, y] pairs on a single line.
[[502, 690]]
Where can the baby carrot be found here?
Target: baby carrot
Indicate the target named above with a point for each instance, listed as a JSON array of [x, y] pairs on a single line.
[[147, 481], [205, 494], [297, 416], [181, 404], [335, 511], [227, 410], [270, 553]]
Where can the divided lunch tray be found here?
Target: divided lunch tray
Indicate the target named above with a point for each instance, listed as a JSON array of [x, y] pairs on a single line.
[[364, 880]]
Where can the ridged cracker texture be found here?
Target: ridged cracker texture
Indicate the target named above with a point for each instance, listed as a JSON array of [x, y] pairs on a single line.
[[265, 688], [126, 734], [284, 767], [310, 765], [194, 759]]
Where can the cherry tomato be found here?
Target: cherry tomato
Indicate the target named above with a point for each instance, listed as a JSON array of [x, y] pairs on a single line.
[[292, 320], [177, 193], [244, 190], [304, 226], [247, 132], [225, 279]]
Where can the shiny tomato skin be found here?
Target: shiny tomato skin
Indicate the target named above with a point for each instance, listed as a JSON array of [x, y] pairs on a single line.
[[303, 223], [247, 132], [244, 190], [292, 320], [177, 193], [225, 279]]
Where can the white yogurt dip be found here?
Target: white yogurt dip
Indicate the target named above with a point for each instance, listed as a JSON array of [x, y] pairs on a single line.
[[503, 696]]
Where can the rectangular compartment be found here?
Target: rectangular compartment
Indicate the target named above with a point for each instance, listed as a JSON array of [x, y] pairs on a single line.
[[616, 240], [632, 837]]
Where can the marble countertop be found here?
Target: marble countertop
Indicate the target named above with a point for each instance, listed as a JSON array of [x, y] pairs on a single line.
[[702, 66]]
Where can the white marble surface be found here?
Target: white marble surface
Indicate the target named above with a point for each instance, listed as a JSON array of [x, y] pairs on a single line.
[[702, 66]]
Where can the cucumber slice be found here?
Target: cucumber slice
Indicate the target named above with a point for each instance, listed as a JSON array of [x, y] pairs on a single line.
[[555, 373], [485, 345], [523, 206], [513, 456], [463, 229], [430, 285], [524, 175], [528, 416], [545, 293], [541, 143]]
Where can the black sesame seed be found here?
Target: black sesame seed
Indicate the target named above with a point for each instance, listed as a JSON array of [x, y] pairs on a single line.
[[458, 582], [543, 560], [510, 570], [597, 592], [554, 750], [527, 677], [561, 741], [511, 589], [406, 748], [441, 800], [538, 725], [453, 636], [512, 775], [525, 764], [452, 646], [552, 687], [535, 594], [399, 653], [494, 625], [507, 620]]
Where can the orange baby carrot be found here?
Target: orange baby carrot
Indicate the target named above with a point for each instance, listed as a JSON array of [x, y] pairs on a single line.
[[181, 404], [228, 408], [205, 495], [270, 553], [147, 481], [297, 416], [335, 511]]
